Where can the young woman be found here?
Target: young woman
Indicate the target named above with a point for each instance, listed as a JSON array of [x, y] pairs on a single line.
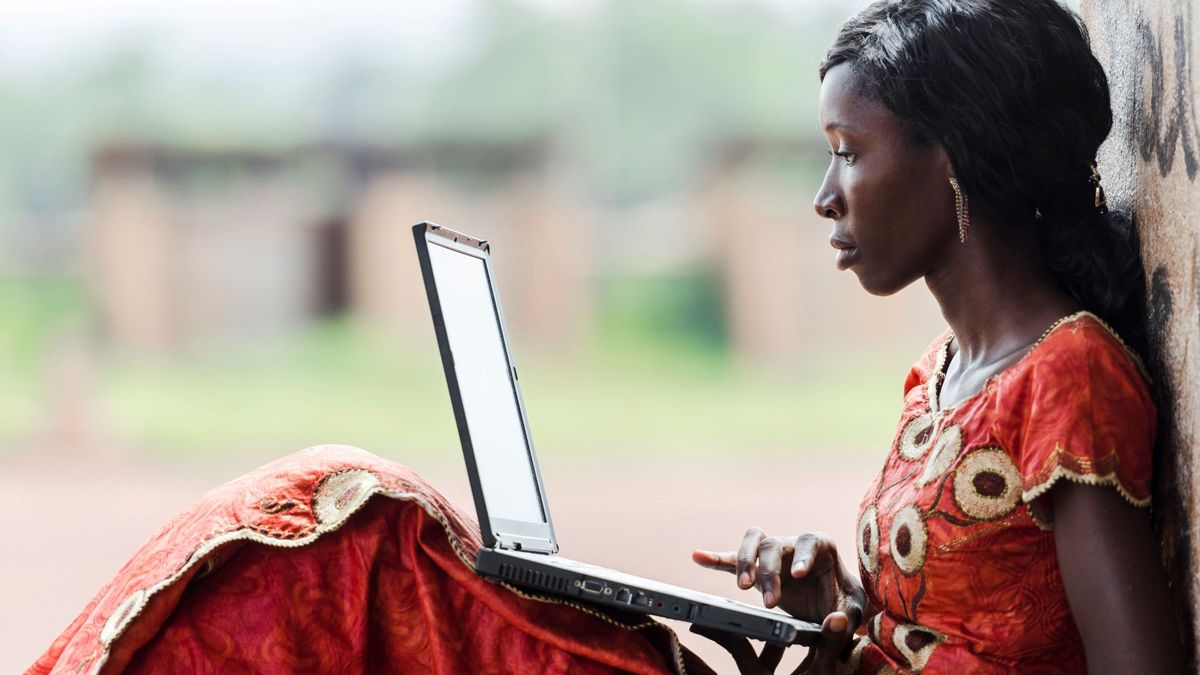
[[1006, 533], [1008, 530]]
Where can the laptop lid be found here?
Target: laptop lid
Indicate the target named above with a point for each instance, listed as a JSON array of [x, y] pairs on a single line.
[[510, 499]]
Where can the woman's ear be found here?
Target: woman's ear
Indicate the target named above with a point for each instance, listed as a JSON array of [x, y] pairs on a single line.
[[942, 162]]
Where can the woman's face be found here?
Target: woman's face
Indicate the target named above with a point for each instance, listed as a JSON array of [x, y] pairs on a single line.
[[889, 198]]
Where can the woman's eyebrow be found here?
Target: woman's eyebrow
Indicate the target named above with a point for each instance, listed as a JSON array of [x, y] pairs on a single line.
[[843, 126]]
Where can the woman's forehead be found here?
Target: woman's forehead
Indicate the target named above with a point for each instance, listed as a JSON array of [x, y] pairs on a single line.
[[844, 104]]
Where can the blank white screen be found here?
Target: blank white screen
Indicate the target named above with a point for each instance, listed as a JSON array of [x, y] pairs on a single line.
[[484, 382]]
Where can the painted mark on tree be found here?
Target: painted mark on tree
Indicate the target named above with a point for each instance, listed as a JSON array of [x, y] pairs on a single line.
[[1161, 307], [1164, 123]]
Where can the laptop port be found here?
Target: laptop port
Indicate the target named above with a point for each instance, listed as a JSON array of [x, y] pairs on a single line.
[[643, 600], [625, 596], [592, 586]]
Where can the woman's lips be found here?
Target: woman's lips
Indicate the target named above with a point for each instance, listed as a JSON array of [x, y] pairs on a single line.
[[846, 257], [847, 252]]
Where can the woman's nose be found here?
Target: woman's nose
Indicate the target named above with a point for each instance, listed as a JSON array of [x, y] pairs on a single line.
[[828, 203]]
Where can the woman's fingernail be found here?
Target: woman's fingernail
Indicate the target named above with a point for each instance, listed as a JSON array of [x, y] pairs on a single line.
[[838, 623], [744, 580]]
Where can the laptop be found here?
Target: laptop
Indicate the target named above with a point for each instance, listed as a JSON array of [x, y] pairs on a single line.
[[519, 547]]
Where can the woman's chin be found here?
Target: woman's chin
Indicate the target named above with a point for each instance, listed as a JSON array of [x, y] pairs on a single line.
[[876, 285]]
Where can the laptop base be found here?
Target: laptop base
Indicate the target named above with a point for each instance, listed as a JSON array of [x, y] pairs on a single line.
[[566, 578]]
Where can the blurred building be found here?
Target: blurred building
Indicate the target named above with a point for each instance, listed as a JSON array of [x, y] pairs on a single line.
[[194, 248]]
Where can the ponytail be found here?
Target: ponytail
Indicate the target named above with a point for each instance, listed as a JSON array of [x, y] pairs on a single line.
[[1096, 257]]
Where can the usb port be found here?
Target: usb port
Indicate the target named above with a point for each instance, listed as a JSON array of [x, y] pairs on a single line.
[[592, 586]]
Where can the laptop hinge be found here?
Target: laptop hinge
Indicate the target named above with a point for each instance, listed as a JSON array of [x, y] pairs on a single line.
[[525, 543]]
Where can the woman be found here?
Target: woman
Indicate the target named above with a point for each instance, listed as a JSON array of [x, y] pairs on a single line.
[[963, 135], [1008, 530]]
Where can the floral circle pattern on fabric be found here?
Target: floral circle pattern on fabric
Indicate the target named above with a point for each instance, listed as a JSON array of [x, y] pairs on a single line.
[[917, 437], [868, 541], [916, 643], [987, 485], [908, 539], [945, 451]]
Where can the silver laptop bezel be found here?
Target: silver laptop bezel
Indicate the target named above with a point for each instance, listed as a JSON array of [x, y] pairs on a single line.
[[502, 533]]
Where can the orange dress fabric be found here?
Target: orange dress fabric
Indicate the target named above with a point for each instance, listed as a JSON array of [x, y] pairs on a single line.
[[955, 536], [333, 560]]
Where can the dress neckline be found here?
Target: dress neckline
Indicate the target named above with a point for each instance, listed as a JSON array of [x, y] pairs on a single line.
[[938, 375]]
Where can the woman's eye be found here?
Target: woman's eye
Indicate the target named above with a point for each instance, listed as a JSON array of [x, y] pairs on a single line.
[[848, 157]]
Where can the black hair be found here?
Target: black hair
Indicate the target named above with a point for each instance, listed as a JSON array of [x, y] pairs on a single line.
[[1012, 91]]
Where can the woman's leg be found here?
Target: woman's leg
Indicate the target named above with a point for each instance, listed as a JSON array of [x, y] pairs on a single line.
[[334, 560]]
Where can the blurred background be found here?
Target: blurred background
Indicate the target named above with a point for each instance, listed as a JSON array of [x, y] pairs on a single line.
[[205, 264]]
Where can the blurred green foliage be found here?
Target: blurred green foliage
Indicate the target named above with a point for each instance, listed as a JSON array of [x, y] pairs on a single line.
[[655, 379], [674, 319], [33, 315]]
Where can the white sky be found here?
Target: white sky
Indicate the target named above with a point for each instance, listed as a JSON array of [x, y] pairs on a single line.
[[40, 36]]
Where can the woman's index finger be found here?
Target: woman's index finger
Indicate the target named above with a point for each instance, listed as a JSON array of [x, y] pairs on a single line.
[[726, 561]]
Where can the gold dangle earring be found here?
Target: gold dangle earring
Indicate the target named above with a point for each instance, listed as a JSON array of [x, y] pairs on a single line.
[[963, 209]]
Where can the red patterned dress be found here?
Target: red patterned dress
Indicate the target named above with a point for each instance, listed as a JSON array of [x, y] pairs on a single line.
[[955, 536], [335, 561]]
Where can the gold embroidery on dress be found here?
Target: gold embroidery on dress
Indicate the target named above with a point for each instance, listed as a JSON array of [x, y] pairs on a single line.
[[917, 437], [945, 451], [123, 615], [976, 533], [987, 485], [908, 539], [868, 540], [1062, 464], [1041, 516], [272, 505], [934, 385], [916, 643], [341, 494]]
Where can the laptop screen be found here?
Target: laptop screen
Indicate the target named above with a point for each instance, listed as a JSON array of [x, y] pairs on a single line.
[[485, 384]]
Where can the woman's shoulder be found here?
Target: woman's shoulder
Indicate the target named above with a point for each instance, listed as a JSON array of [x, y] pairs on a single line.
[[1081, 408], [1082, 349]]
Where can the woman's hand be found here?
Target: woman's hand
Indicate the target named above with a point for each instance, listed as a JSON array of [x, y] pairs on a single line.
[[803, 576]]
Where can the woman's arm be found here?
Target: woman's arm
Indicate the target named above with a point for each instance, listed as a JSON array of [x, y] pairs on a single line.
[[1109, 558]]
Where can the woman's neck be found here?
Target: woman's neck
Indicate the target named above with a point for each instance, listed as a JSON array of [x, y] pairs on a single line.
[[996, 293]]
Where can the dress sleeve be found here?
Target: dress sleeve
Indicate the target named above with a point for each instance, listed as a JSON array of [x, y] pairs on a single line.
[[1088, 417]]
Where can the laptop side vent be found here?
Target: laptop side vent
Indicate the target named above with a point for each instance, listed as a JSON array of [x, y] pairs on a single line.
[[529, 577]]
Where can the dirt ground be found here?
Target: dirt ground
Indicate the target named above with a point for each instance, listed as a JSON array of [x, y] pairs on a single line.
[[72, 521]]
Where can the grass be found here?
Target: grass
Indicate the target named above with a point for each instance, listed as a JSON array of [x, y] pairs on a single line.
[[654, 378], [34, 313], [341, 384]]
